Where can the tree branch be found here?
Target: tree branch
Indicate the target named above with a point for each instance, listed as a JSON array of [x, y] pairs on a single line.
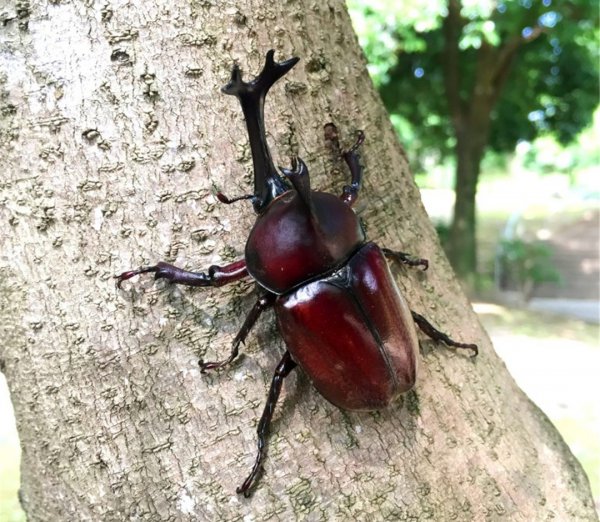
[[507, 54]]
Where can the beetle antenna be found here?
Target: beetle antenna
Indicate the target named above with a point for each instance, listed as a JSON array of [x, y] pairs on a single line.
[[267, 182], [228, 201]]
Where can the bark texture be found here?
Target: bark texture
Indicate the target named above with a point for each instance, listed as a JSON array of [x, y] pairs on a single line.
[[114, 136]]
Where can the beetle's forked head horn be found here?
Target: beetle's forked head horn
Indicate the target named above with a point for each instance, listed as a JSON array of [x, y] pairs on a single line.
[[267, 182]]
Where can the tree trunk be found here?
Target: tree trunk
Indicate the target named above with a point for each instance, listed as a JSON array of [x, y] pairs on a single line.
[[462, 246], [114, 137], [471, 141], [470, 144], [471, 116]]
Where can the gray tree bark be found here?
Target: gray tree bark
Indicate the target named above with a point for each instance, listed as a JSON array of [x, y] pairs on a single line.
[[114, 137]]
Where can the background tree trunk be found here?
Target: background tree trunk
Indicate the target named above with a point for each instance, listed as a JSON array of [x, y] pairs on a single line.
[[114, 136], [470, 110], [462, 245]]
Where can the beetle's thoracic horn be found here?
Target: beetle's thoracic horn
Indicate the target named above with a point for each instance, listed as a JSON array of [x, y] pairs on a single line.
[[267, 182], [298, 176]]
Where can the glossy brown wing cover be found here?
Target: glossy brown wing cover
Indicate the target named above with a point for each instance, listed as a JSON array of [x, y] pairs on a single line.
[[352, 333]]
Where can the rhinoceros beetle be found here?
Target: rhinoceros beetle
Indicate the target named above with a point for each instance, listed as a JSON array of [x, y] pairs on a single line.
[[342, 318]]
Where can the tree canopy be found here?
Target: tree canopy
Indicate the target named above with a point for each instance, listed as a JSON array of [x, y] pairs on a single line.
[[463, 77], [553, 84]]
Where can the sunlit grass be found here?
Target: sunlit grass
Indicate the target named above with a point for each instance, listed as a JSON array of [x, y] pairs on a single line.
[[519, 321], [585, 445]]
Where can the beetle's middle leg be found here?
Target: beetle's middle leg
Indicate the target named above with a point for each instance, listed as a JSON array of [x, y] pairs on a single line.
[[285, 366], [406, 259], [438, 336], [262, 304]]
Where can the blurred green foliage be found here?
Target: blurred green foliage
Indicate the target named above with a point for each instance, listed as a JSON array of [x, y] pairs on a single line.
[[576, 160], [552, 88], [528, 264], [461, 78]]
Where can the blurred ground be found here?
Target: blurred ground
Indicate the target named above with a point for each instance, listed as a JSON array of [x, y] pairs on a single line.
[[556, 361], [566, 222], [586, 310]]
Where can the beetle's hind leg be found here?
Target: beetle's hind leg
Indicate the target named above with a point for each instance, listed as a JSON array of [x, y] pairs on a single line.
[[263, 303], [405, 259], [438, 336], [285, 366]]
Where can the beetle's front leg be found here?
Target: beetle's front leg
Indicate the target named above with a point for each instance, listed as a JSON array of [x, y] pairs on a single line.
[[262, 304], [438, 336], [285, 366], [406, 259], [216, 275]]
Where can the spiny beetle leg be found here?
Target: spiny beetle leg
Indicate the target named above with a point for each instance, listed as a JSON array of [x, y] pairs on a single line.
[[263, 303], [352, 159], [438, 336], [285, 366], [216, 276], [360, 139], [406, 259]]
